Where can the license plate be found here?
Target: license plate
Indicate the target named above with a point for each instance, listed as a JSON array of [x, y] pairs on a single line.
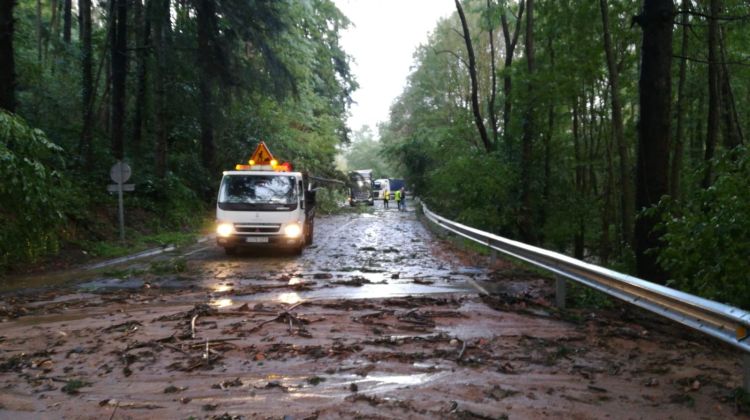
[[257, 239]]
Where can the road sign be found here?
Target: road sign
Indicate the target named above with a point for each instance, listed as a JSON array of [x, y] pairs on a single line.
[[120, 172], [262, 156], [125, 187]]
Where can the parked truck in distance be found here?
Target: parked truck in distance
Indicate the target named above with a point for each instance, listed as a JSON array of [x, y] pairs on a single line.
[[379, 186], [360, 187]]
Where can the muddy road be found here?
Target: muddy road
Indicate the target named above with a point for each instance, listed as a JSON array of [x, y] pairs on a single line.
[[378, 319]]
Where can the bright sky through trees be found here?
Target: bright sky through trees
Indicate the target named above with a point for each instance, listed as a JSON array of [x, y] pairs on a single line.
[[382, 39]]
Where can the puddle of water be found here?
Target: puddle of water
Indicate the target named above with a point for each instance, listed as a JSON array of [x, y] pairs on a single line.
[[366, 291], [289, 298], [112, 283], [221, 303], [221, 288], [373, 383]]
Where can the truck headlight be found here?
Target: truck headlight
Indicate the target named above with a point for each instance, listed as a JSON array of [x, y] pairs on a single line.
[[224, 229], [293, 230]]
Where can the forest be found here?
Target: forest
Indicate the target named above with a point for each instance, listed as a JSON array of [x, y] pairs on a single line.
[[179, 89], [610, 130]]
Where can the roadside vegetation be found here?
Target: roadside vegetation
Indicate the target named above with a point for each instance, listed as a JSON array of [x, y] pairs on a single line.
[[545, 149], [179, 90]]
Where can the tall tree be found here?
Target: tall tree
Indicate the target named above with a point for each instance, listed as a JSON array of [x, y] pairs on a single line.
[[142, 35], [87, 83], [712, 126], [207, 53], [493, 74], [526, 227], [732, 128], [510, 47], [67, 20], [679, 149], [627, 206], [159, 13], [119, 64], [478, 120], [654, 130], [8, 69]]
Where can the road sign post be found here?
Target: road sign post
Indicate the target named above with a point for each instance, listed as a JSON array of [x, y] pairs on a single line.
[[120, 172]]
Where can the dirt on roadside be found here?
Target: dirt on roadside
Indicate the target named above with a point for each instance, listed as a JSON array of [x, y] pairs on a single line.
[[391, 329]]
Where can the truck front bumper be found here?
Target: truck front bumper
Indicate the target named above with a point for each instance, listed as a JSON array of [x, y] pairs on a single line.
[[234, 241]]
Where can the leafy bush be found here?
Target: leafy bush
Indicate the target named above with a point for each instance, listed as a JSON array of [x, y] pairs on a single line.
[[175, 202], [33, 192], [330, 201], [708, 236], [473, 191]]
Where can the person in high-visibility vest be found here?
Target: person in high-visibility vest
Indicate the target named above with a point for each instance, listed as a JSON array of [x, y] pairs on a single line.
[[398, 199], [386, 197]]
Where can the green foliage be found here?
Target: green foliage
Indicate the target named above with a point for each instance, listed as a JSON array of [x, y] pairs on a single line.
[[33, 193], [330, 201], [277, 74], [366, 152], [473, 191], [171, 266], [708, 235]]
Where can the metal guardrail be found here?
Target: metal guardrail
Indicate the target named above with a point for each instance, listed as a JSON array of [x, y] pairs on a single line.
[[726, 323]]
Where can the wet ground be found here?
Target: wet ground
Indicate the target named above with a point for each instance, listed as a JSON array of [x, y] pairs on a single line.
[[378, 319]]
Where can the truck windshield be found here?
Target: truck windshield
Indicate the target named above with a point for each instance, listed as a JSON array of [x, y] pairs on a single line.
[[258, 192]]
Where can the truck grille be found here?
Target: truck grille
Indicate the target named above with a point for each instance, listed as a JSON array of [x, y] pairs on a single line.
[[250, 228]]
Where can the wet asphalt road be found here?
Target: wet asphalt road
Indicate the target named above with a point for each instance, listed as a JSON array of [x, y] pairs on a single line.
[[377, 319]]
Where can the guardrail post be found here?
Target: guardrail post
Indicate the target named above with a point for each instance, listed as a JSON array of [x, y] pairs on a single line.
[[493, 256], [746, 371], [560, 291]]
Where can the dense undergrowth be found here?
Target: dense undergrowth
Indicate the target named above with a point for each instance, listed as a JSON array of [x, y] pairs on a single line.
[[48, 207]]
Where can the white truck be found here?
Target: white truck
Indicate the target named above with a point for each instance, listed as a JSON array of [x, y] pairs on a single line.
[[264, 204]]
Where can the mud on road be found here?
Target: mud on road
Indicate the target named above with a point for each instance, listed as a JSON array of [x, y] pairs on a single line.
[[378, 319]]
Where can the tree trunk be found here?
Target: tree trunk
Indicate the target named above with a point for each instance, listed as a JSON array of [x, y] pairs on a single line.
[[160, 15], [493, 76], [8, 69], [119, 75], [548, 149], [626, 199], [732, 129], [39, 31], [655, 88], [205, 16], [478, 120], [87, 89], [53, 27], [142, 41], [526, 217], [67, 20], [712, 127], [579, 236], [679, 149], [510, 46]]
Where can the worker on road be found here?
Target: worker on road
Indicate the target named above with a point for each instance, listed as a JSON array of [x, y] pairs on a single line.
[[403, 199], [398, 199], [386, 197]]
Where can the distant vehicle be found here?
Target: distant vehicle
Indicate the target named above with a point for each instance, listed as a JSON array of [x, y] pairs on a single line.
[[264, 203], [379, 186], [360, 187]]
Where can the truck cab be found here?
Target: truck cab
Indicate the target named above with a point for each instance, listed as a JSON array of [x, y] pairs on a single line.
[[258, 206], [360, 187]]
